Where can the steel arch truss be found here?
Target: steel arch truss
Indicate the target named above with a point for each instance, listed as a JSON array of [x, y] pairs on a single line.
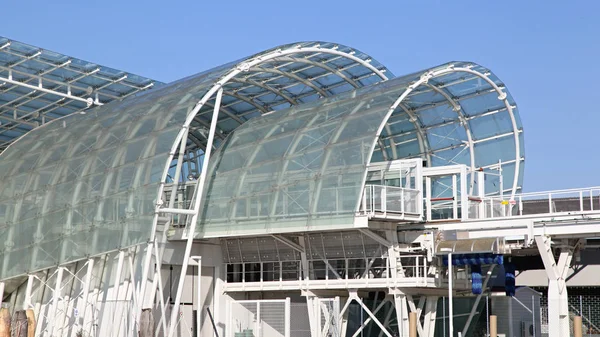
[[300, 73]]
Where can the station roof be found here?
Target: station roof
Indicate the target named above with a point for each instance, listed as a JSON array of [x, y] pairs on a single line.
[[38, 86], [304, 168], [89, 183], [308, 116]]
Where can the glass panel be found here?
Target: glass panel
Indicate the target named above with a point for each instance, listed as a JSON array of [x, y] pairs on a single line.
[[89, 184], [295, 169]]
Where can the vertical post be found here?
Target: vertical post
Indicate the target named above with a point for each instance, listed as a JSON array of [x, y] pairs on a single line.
[[259, 319], [481, 193], [577, 327], [464, 194], [55, 296], [116, 286], [412, 323], [1, 293], [487, 315], [82, 307], [454, 197], [193, 220], [27, 302], [450, 309], [444, 316], [428, 197], [590, 317], [533, 313], [493, 326], [288, 317], [199, 305]]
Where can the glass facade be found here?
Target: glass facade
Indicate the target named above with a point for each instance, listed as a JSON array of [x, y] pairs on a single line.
[[296, 169], [88, 183], [302, 168]]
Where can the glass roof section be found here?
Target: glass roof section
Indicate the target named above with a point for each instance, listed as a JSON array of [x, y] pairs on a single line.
[[38, 86], [89, 183], [303, 168]]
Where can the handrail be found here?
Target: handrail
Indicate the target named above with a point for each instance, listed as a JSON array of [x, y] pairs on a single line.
[[558, 201], [391, 201]]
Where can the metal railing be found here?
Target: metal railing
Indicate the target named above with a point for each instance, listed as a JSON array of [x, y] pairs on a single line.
[[390, 200], [548, 202]]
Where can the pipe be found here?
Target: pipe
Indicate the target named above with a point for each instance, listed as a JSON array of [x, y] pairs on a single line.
[[412, 324], [493, 326]]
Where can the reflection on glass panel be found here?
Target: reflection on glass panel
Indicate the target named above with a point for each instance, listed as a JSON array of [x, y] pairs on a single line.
[[298, 168], [302, 167], [88, 184]]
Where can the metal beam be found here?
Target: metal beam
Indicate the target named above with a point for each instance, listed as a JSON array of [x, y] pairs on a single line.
[[289, 243], [375, 237]]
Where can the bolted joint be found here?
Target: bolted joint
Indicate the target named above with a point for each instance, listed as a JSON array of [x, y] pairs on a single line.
[[244, 66]]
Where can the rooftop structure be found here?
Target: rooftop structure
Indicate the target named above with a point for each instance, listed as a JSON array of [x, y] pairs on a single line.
[[298, 175], [38, 86]]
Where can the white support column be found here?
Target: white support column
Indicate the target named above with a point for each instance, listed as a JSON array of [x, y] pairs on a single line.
[[401, 314], [344, 317], [219, 300], [1, 292], [82, 303], [418, 310], [116, 286], [312, 316], [27, 302], [55, 297], [430, 316], [194, 218], [428, 195], [288, 317], [454, 197], [450, 302], [198, 260], [464, 194], [481, 194], [558, 306]]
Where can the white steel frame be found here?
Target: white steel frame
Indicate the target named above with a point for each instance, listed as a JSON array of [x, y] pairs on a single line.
[[181, 140], [41, 86]]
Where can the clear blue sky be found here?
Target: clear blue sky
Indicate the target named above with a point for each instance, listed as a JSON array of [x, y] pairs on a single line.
[[547, 52]]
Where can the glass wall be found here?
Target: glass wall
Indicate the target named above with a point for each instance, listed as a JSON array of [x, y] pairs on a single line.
[[302, 168], [87, 184]]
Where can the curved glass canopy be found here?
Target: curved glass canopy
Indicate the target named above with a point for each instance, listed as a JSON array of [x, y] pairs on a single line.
[[89, 183], [303, 168]]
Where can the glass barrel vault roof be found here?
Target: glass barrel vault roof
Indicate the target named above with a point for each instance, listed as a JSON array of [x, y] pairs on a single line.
[[303, 168], [88, 183], [38, 86]]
